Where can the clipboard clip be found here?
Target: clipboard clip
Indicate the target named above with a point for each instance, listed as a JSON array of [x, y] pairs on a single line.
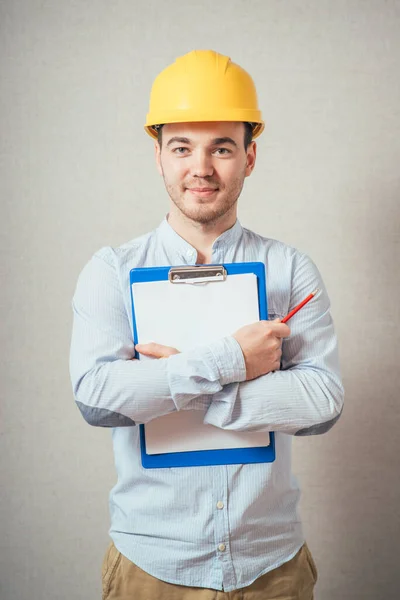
[[195, 275]]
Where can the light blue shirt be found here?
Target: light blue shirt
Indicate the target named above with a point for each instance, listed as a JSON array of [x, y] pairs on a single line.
[[217, 527]]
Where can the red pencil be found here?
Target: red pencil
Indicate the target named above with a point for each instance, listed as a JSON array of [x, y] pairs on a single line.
[[299, 306]]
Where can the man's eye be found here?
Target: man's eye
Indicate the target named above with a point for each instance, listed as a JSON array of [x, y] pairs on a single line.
[[180, 150], [222, 151]]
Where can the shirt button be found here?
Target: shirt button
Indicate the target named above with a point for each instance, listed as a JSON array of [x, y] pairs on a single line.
[[220, 504], [221, 547]]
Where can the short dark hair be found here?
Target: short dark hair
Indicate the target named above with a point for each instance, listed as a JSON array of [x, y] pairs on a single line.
[[248, 134]]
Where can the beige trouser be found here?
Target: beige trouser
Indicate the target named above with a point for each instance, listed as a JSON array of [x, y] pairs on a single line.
[[122, 580]]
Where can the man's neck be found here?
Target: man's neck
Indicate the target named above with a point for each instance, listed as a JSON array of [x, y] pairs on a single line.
[[201, 235]]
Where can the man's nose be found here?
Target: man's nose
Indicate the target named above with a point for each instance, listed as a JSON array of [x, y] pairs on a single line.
[[202, 165]]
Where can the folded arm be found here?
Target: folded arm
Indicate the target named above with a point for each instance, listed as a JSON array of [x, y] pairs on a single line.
[[305, 396], [110, 387]]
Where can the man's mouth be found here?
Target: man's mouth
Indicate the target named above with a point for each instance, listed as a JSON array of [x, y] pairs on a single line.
[[205, 191]]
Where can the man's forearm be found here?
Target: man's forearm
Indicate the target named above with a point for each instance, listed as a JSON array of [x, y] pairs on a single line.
[[298, 401], [127, 392]]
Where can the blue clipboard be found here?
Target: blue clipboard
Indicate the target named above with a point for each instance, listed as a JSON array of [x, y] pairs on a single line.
[[197, 458]]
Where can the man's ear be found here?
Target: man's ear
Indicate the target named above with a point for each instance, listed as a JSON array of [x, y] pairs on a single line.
[[157, 153], [251, 158]]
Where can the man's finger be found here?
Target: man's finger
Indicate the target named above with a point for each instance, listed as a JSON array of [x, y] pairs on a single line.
[[280, 329], [156, 350], [283, 331], [276, 328]]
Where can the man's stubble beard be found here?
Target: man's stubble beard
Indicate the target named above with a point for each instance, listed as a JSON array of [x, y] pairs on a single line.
[[204, 214]]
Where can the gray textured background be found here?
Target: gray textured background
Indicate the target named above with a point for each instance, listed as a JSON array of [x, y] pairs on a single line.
[[77, 173]]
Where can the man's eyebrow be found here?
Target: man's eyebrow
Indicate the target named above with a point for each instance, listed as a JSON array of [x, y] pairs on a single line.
[[216, 142], [224, 140], [181, 140]]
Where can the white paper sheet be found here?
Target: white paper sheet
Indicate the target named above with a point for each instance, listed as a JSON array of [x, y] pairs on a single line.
[[185, 316]]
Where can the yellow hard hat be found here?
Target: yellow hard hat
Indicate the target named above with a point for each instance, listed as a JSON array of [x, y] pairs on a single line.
[[203, 86]]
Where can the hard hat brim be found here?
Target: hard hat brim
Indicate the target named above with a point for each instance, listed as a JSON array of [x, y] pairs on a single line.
[[258, 124]]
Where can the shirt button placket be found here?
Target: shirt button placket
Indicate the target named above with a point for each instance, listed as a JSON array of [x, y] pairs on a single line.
[[216, 254], [220, 506], [190, 255], [221, 525]]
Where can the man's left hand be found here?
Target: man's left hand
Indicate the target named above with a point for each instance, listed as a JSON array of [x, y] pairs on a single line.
[[156, 350]]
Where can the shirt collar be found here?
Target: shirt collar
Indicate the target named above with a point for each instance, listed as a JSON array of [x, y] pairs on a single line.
[[184, 250]]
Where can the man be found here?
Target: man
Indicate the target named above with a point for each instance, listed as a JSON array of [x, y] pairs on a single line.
[[205, 532]]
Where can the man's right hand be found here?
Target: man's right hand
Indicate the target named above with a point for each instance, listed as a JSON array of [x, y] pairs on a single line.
[[261, 345]]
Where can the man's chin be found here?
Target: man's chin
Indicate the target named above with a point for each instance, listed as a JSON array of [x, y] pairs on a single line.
[[203, 216], [202, 210]]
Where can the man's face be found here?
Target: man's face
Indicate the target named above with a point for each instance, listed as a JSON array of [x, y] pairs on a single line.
[[204, 166]]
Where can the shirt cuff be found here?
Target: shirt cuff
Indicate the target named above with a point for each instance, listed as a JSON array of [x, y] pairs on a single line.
[[229, 359]]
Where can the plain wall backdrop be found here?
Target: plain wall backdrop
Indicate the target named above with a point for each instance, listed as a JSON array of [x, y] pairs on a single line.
[[78, 173]]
